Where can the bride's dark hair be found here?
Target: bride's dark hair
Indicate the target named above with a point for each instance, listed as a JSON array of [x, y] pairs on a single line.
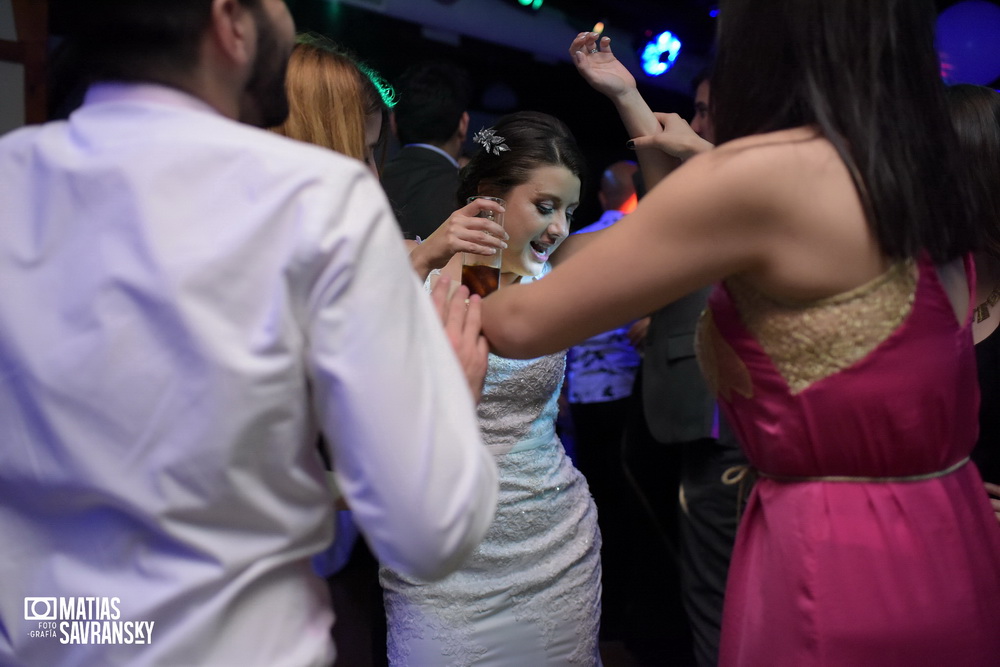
[[534, 140]]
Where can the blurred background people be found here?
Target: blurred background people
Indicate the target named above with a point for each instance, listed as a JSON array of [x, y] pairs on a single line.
[[336, 101], [600, 373], [975, 113], [679, 433], [681, 411], [431, 121]]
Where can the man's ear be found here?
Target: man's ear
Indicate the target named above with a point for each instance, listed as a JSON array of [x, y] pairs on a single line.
[[233, 32], [463, 126]]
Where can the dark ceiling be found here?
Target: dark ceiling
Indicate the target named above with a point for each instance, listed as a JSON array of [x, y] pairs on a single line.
[[690, 19], [508, 79]]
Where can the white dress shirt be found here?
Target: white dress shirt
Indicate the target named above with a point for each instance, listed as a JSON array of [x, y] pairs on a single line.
[[185, 302]]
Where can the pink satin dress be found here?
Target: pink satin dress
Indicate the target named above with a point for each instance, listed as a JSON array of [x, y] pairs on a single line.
[[867, 539]]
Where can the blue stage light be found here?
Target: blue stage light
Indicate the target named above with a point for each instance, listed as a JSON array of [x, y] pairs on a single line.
[[660, 53], [968, 42]]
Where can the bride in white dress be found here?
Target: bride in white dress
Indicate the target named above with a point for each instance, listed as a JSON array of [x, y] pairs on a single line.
[[529, 595]]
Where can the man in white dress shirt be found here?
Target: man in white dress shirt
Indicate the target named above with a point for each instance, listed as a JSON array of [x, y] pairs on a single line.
[[186, 302]]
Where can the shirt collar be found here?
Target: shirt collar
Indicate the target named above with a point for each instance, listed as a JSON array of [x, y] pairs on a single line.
[[436, 150], [104, 92]]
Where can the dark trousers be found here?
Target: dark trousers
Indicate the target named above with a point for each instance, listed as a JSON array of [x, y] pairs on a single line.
[[688, 546], [657, 628], [708, 530], [598, 429]]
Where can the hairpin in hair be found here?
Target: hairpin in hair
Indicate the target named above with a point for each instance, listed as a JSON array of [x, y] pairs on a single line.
[[490, 141]]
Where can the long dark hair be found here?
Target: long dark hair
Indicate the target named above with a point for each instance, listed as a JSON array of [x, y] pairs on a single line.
[[975, 114], [534, 140], [865, 73]]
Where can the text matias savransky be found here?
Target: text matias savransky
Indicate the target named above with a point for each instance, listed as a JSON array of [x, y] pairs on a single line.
[[85, 620]]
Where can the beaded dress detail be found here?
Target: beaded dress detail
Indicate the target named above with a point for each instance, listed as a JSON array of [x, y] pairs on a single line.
[[530, 593]]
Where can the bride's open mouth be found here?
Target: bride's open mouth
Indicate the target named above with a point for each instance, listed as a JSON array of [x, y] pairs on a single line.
[[541, 250]]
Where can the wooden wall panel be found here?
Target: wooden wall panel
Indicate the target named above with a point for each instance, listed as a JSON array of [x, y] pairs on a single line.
[[31, 18]]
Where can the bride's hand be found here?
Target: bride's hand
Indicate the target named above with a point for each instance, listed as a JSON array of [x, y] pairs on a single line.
[[461, 317], [463, 231], [599, 67]]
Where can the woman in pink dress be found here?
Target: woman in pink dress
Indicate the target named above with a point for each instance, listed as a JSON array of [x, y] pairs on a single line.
[[835, 218]]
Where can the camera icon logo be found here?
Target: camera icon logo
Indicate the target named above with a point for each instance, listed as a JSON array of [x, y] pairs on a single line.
[[40, 609]]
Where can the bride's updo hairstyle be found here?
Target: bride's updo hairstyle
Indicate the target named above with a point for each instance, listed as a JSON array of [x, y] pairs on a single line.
[[532, 140]]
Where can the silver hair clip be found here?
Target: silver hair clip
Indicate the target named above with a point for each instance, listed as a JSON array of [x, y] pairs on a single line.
[[490, 142]]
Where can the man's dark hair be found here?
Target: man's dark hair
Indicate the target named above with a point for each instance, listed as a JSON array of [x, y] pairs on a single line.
[[136, 40], [433, 95]]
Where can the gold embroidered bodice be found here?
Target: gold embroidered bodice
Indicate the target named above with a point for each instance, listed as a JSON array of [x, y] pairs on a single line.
[[809, 341]]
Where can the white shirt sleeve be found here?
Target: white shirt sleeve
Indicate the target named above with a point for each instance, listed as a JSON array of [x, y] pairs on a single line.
[[391, 398]]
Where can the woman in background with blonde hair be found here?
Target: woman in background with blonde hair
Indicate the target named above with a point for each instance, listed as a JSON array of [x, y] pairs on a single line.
[[339, 103], [336, 101]]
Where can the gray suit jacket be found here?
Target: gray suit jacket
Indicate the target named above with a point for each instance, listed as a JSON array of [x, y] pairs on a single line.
[[677, 402]]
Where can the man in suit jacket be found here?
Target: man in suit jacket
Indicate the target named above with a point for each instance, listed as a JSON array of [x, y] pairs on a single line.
[[600, 374], [431, 122], [680, 410]]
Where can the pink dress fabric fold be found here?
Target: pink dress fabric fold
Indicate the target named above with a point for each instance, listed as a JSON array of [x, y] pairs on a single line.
[[861, 572]]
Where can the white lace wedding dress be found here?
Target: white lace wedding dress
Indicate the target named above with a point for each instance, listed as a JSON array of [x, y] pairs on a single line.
[[529, 596]]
